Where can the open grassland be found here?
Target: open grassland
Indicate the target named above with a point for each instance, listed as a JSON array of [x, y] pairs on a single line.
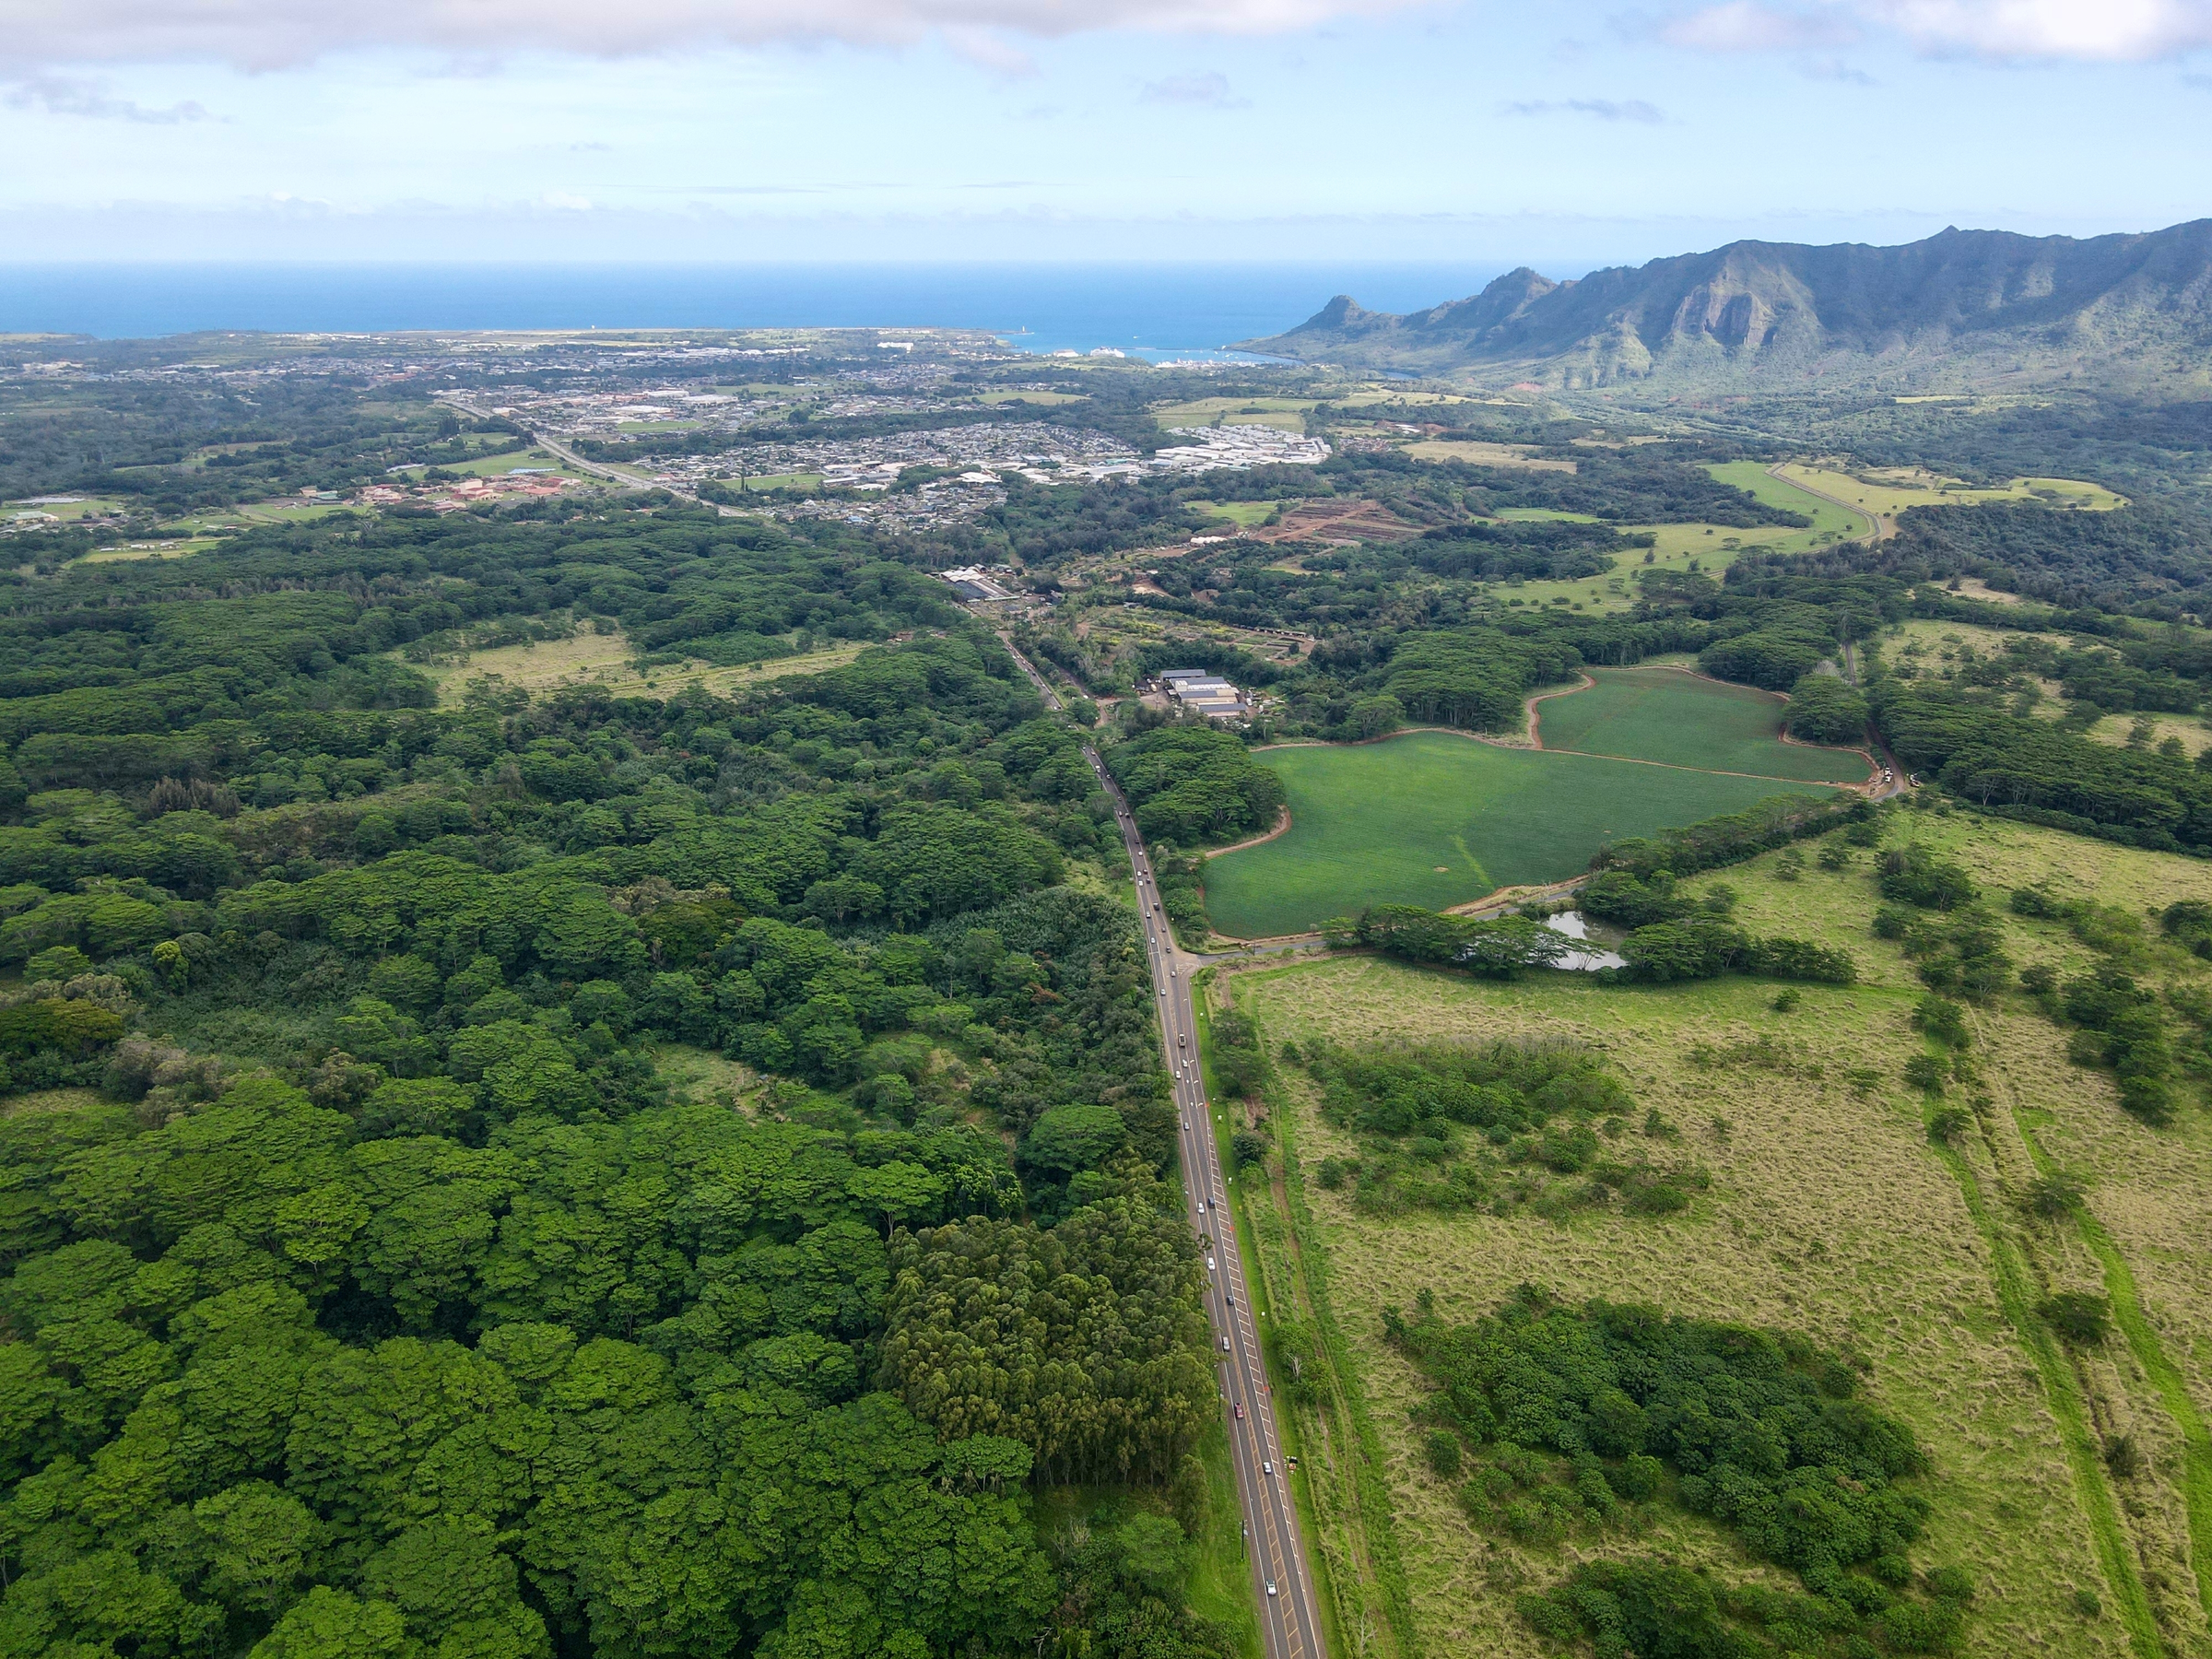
[[607, 660], [1016, 397], [1831, 1214], [1706, 548], [1684, 719], [1237, 512], [1439, 819], [1478, 453], [1289, 414], [129, 551], [2119, 729], [1828, 1215], [1888, 491], [1830, 522]]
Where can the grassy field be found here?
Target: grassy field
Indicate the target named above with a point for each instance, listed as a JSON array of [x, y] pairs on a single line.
[[1682, 719], [1289, 414], [1437, 820], [1707, 548], [1890, 490], [1829, 1213], [1237, 512], [605, 660], [1830, 522], [1015, 396], [1477, 454]]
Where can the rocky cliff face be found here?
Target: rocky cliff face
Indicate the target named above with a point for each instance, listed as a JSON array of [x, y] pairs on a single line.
[[1965, 307]]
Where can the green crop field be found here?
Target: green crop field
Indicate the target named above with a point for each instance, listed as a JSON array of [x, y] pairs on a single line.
[[1672, 715], [1437, 820]]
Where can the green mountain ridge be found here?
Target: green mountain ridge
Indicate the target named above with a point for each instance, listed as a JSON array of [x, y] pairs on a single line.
[[1961, 309]]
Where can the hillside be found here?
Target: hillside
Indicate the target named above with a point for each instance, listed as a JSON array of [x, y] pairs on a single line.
[[1962, 308]]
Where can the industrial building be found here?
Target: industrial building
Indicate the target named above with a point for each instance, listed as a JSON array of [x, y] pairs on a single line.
[[1207, 694]]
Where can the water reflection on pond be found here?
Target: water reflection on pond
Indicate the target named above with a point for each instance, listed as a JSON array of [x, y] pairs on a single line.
[[1575, 925]]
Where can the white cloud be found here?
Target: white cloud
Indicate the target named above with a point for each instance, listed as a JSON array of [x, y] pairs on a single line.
[[274, 34], [2005, 30], [1747, 26], [1210, 90], [61, 95], [1603, 109]]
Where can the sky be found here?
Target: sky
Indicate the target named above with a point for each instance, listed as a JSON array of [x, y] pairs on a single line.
[[1563, 135]]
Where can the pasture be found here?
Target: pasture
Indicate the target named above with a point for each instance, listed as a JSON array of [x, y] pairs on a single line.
[[1888, 491], [1436, 818], [1683, 719], [1830, 522], [1829, 1213], [1479, 454]]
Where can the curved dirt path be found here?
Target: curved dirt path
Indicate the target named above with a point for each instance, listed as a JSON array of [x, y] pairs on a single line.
[[1282, 823], [1878, 528]]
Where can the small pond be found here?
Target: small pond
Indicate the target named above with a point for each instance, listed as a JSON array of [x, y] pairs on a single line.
[[1577, 926]]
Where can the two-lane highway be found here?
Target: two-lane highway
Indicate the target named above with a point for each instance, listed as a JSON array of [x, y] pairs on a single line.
[[1289, 1619]]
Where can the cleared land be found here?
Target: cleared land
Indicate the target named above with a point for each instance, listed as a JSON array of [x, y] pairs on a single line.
[[1683, 719], [1437, 820], [1829, 1213], [588, 659]]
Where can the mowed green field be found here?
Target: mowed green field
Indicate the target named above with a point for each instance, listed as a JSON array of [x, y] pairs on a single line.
[[1437, 820], [1829, 521], [1683, 719]]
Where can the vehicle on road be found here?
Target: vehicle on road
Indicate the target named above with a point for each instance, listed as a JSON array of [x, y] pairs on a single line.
[[1266, 1468], [1209, 1263], [1239, 1411], [1225, 1345], [1271, 1586]]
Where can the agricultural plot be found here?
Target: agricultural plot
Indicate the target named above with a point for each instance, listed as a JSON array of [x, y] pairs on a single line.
[[1682, 719], [1437, 820], [1829, 1213]]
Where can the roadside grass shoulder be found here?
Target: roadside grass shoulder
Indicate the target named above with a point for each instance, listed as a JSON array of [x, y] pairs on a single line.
[[1333, 1454], [1220, 1583]]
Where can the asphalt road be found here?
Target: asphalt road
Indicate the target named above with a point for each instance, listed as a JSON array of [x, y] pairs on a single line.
[[1282, 1583]]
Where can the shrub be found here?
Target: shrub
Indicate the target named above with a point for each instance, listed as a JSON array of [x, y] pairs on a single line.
[[1443, 1449], [1926, 1072], [1916, 876], [2080, 1320]]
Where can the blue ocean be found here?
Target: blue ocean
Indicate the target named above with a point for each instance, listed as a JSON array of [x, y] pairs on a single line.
[[1150, 310]]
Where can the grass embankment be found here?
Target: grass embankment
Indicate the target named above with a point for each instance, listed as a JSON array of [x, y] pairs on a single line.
[[1829, 1213], [1220, 1586], [1437, 820]]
